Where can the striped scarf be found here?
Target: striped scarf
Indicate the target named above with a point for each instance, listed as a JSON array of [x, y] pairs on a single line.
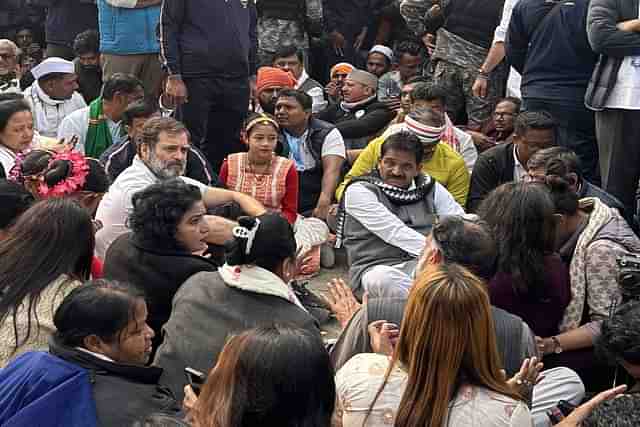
[[397, 196]]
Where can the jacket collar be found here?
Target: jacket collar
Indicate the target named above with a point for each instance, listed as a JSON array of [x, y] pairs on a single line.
[[86, 360], [257, 280], [43, 97]]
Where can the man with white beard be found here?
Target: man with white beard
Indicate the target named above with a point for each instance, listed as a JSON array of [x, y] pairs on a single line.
[[162, 154]]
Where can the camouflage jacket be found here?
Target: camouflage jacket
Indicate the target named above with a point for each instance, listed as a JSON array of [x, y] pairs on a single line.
[[275, 32]]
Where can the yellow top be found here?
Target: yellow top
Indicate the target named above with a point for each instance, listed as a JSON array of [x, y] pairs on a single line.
[[445, 166]]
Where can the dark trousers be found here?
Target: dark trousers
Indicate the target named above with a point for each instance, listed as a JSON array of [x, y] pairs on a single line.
[[618, 133], [215, 114], [576, 130]]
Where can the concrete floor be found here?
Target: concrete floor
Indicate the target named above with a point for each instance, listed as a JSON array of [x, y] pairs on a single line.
[[318, 284]]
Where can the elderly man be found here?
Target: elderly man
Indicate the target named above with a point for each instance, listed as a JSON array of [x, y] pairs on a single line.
[[385, 215], [439, 160], [270, 82], [291, 58], [359, 117], [98, 126], [9, 82], [317, 148], [162, 154], [53, 95]]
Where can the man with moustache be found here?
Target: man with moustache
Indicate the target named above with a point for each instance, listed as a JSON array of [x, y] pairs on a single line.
[[162, 154], [9, 82]]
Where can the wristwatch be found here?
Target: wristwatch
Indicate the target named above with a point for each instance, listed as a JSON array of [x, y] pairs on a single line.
[[557, 348]]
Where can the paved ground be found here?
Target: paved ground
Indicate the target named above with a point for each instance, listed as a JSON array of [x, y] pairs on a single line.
[[318, 285]]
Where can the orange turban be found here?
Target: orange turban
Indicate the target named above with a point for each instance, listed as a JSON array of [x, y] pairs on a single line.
[[269, 77], [342, 68]]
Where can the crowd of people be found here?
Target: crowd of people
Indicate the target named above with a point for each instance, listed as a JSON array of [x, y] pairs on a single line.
[[174, 172]]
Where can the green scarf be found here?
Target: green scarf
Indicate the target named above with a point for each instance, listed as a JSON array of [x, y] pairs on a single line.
[[98, 135]]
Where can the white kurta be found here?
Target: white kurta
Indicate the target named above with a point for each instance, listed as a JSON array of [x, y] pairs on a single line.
[[48, 113]]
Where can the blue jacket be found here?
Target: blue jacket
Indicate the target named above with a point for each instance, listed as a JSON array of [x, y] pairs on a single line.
[[39, 389], [205, 38], [126, 31]]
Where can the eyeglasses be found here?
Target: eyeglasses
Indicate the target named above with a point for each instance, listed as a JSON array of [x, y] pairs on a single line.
[[7, 56]]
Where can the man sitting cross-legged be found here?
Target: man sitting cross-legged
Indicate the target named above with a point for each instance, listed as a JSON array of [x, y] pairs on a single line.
[[384, 216]]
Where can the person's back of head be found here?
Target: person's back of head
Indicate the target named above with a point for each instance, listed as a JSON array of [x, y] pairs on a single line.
[[14, 200], [266, 241], [271, 376], [447, 337], [52, 238], [521, 218], [122, 84], [619, 343], [467, 242]]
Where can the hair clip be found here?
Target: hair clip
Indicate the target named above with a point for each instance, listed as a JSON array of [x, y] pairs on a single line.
[[240, 232], [252, 236]]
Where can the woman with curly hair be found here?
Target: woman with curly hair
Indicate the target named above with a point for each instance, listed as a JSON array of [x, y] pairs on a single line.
[[163, 250]]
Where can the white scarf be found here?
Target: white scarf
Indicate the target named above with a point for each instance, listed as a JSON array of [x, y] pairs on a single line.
[[258, 280], [349, 106], [47, 112], [303, 78]]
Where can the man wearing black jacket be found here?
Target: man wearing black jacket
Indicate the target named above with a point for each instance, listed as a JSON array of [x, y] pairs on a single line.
[[360, 117], [547, 43], [507, 162], [613, 28], [208, 48]]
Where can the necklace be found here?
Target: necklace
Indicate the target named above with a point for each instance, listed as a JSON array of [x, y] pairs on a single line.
[[258, 179]]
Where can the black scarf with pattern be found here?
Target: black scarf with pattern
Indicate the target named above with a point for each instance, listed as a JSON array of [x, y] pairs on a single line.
[[397, 196]]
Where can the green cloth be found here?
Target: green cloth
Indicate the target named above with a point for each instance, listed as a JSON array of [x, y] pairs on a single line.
[[98, 135]]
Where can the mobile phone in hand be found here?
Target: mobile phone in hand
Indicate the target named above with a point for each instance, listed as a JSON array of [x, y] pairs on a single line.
[[195, 378]]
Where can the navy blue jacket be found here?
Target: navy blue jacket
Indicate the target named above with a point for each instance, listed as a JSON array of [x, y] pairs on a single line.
[[205, 38], [554, 55]]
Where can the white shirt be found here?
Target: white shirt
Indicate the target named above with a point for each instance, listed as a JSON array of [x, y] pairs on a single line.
[[519, 172], [365, 207], [333, 145], [625, 94], [48, 113], [316, 93], [116, 205], [467, 148], [77, 123], [499, 36]]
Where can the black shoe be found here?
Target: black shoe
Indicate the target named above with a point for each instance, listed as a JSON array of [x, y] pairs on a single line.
[[313, 303]]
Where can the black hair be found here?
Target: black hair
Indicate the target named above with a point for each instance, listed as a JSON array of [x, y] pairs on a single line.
[[138, 109], [273, 242], [35, 162], [468, 243], [54, 237], [403, 141], [96, 180], [520, 216], [565, 200], [252, 116], [159, 208], [14, 200], [620, 335], [558, 160], [302, 98], [623, 411], [120, 82], [272, 375], [101, 307], [86, 42], [429, 92], [533, 120], [160, 420], [288, 50], [409, 47], [9, 108], [517, 102]]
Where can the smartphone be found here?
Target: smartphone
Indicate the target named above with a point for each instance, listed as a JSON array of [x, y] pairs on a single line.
[[195, 378]]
